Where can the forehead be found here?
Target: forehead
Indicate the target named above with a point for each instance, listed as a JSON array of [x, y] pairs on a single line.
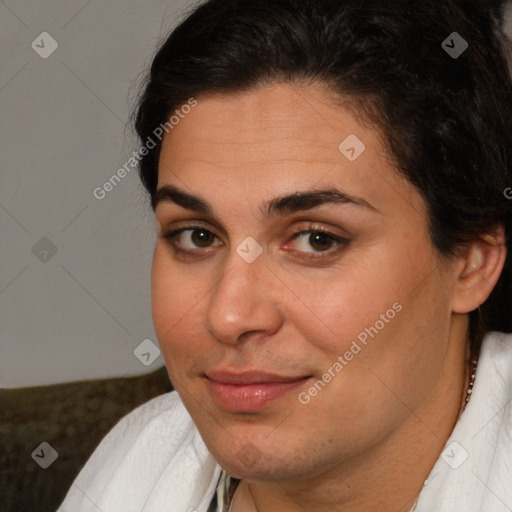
[[279, 138], [282, 120]]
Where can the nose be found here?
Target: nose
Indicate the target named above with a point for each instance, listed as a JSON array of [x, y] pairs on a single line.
[[244, 302]]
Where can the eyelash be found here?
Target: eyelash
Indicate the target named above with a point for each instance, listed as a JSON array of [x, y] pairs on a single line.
[[340, 242]]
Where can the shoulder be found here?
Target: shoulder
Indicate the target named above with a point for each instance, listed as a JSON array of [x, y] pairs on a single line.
[[489, 413], [495, 361], [165, 411], [161, 422], [150, 454], [162, 419], [474, 470], [498, 343]]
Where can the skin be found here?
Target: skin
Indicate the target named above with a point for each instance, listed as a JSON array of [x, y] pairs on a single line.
[[382, 422]]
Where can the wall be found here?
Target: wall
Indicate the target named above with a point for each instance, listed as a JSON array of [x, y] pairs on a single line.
[[75, 266]]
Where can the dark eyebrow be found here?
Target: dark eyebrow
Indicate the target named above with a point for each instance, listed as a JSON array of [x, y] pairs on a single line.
[[170, 194], [300, 201], [286, 204]]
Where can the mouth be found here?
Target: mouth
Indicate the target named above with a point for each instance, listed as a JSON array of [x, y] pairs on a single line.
[[250, 391]]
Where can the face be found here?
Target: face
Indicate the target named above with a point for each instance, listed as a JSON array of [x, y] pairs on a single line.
[[296, 295]]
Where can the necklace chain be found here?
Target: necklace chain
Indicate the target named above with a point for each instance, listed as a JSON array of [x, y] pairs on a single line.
[[472, 371]]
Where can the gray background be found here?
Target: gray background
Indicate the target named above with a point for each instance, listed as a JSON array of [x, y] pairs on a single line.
[[80, 313]]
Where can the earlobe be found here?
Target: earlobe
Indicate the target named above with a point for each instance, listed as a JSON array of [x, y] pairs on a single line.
[[481, 265]]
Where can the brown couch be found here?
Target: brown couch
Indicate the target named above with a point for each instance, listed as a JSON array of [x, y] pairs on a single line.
[[72, 418]]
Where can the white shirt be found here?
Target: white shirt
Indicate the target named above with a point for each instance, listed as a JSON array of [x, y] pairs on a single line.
[[154, 459]]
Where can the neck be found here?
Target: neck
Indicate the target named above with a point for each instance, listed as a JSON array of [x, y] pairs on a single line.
[[395, 470]]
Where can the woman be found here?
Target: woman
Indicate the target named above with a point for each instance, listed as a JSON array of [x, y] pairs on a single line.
[[331, 285]]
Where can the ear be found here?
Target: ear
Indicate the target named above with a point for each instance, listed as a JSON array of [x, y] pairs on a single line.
[[478, 271]]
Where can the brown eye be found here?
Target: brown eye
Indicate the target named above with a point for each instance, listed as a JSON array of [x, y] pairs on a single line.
[[316, 241], [202, 237], [320, 241], [190, 239]]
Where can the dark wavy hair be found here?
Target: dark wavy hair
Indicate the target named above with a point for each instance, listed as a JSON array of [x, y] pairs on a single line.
[[447, 121]]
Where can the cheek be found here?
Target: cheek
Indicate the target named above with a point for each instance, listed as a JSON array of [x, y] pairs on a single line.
[[384, 300], [390, 329], [175, 302], [358, 296]]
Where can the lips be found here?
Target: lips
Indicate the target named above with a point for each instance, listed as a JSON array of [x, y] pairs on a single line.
[[250, 391], [250, 377]]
